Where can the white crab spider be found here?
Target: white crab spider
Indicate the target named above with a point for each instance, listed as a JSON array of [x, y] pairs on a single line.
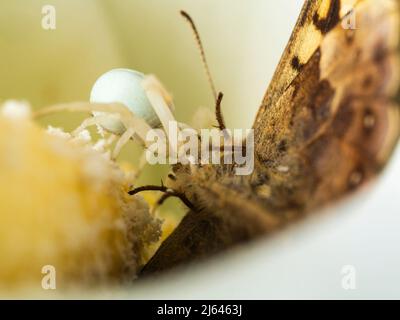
[[126, 103], [129, 104], [134, 90]]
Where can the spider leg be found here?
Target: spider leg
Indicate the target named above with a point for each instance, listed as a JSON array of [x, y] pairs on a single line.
[[92, 121], [141, 128], [123, 140], [155, 84], [124, 114], [83, 107], [142, 164], [159, 101]]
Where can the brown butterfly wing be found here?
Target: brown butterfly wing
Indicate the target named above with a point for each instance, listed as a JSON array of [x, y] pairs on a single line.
[[316, 19], [336, 123]]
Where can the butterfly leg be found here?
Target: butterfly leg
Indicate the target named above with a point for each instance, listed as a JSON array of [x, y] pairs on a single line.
[[167, 193]]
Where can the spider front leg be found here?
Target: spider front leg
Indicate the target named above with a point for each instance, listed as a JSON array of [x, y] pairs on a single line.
[[92, 121]]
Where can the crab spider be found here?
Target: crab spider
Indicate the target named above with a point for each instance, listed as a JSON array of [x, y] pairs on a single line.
[[128, 104], [125, 103]]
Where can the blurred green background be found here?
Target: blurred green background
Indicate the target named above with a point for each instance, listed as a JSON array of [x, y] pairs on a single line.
[[243, 42]]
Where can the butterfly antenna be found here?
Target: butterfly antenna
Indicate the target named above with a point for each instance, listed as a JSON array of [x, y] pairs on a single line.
[[217, 97], [202, 53], [218, 112]]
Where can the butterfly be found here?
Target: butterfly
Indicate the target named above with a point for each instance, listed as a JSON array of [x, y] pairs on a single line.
[[327, 125]]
